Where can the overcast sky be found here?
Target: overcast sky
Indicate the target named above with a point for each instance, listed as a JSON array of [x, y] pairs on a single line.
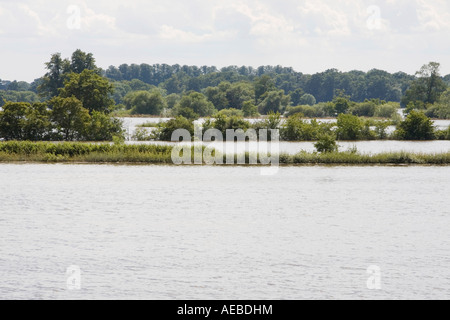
[[308, 35]]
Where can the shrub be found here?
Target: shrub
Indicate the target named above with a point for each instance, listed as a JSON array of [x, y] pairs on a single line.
[[349, 127], [326, 144], [417, 126]]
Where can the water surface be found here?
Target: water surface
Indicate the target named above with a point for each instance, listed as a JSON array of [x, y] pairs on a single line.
[[157, 232]]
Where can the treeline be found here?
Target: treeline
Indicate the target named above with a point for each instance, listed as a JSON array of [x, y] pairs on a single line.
[[375, 84], [193, 92]]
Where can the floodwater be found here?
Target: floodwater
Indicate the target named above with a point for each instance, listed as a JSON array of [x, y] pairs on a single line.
[[373, 147], [168, 232]]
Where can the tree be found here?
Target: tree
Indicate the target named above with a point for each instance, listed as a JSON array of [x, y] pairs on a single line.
[[262, 86], [326, 144], [37, 126], [59, 69], [427, 88], [349, 127], [92, 90], [218, 97], [342, 104], [102, 127], [12, 120], [416, 126], [81, 61], [197, 102], [296, 96], [144, 102], [249, 109], [238, 93], [165, 130], [308, 99], [53, 80], [274, 101], [69, 118]]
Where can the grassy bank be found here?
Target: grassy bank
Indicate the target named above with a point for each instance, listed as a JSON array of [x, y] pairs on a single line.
[[77, 152]]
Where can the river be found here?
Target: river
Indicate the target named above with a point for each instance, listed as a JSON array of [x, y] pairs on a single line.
[[167, 232]]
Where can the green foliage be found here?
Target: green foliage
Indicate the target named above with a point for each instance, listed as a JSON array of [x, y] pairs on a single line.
[[263, 85], [249, 109], [187, 113], [59, 69], [364, 109], [102, 127], [307, 99], [231, 113], [144, 102], [69, 118], [387, 110], [443, 134], [157, 154], [172, 100], [12, 120], [326, 143], [141, 134], [198, 103], [165, 130], [18, 96], [274, 101], [417, 126], [297, 129], [341, 104], [224, 122], [427, 88], [92, 90], [349, 127]]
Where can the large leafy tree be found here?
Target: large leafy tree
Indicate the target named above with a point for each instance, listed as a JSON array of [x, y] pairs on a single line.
[[69, 118], [145, 102], [81, 61], [53, 80], [58, 70], [12, 120], [25, 121], [91, 89], [274, 101], [427, 88], [198, 103]]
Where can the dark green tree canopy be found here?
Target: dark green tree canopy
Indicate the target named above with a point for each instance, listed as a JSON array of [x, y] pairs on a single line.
[[91, 89]]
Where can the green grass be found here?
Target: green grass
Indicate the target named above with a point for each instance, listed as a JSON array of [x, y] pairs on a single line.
[[78, 152]]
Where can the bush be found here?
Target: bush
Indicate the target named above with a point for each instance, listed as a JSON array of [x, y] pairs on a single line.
[[145, 102], [165, 130], [387, 110], [231, 113], [417, 126], [326, 144], [308, 99], [349, 127]]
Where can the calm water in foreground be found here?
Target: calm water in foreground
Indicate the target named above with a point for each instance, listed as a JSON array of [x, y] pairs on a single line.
[[156, 232]]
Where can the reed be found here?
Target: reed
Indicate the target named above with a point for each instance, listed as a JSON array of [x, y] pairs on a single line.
[[24, 151]]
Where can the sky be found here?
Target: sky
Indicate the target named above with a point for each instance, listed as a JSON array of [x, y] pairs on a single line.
[[309, 35]]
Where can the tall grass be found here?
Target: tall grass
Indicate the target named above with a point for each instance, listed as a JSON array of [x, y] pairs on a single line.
[[155, 154]]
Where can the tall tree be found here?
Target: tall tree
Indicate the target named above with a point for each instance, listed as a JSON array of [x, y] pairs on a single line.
[[92, 90], [81, 61], [53, 80], [428, 87]]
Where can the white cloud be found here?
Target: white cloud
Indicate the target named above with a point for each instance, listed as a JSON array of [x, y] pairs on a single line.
[[310, 35]]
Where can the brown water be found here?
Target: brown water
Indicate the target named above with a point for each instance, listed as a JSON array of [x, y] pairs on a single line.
[[157, 232]]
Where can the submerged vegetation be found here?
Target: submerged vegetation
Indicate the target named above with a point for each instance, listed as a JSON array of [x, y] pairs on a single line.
[[416, 126], [77, 152]]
